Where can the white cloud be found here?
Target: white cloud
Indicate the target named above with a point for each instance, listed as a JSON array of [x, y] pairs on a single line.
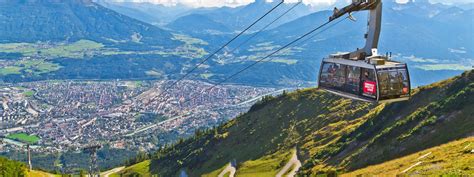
[[402, 1], [413, 58], [315, 2]]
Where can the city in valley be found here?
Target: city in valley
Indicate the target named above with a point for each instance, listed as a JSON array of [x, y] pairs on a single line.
[[58, 116]]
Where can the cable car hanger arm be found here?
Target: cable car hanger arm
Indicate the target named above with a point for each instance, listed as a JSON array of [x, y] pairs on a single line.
[[374, 24]]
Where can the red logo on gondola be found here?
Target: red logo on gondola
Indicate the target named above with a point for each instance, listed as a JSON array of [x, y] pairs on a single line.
[[405, 90], [370, 87]]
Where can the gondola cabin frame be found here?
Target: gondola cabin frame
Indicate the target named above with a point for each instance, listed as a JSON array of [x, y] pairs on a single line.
[[375, 79]]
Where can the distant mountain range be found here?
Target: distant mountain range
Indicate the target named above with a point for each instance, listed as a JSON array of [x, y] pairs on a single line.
[[147, 12], [405, 29], [421, 34], [234, 19], [58, 21], [197, 23], [435, 40]]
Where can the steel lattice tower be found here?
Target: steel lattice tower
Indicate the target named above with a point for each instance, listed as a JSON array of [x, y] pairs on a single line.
[[93, 167]]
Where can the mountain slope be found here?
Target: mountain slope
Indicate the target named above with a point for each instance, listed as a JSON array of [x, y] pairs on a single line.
[[129, 11], [14, 168], [238, 18], [196, 23], [53, 24], [52, 20], [424, 42], [36, 173], [403, 30], [454, 158], [155, 14], [329, 132]]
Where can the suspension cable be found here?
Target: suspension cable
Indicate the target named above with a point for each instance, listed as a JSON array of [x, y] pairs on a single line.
[[274, 52], [218, 50], [280, 49], [264, 28], [323, 30]]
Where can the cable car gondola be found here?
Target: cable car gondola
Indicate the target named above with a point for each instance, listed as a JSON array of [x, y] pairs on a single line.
[[363, 74]]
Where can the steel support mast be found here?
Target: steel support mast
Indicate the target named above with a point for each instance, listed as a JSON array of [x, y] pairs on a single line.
[[373, 25]]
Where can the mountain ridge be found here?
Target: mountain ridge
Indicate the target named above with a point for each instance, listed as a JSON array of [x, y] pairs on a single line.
[[197, 23], [332, 134], [403, 32], [58, 21]]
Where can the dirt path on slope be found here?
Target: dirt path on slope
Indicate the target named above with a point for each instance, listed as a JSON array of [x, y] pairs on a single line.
[[229, 169], [112, 171], [294, 162]]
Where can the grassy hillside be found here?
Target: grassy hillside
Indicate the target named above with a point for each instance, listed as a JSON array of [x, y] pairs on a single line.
[[331, 134], [456, 158], [140, 169], [12, 168], [35, 173]]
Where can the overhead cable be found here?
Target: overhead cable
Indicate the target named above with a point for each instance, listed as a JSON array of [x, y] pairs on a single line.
[[165, 90], [276, 51]]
